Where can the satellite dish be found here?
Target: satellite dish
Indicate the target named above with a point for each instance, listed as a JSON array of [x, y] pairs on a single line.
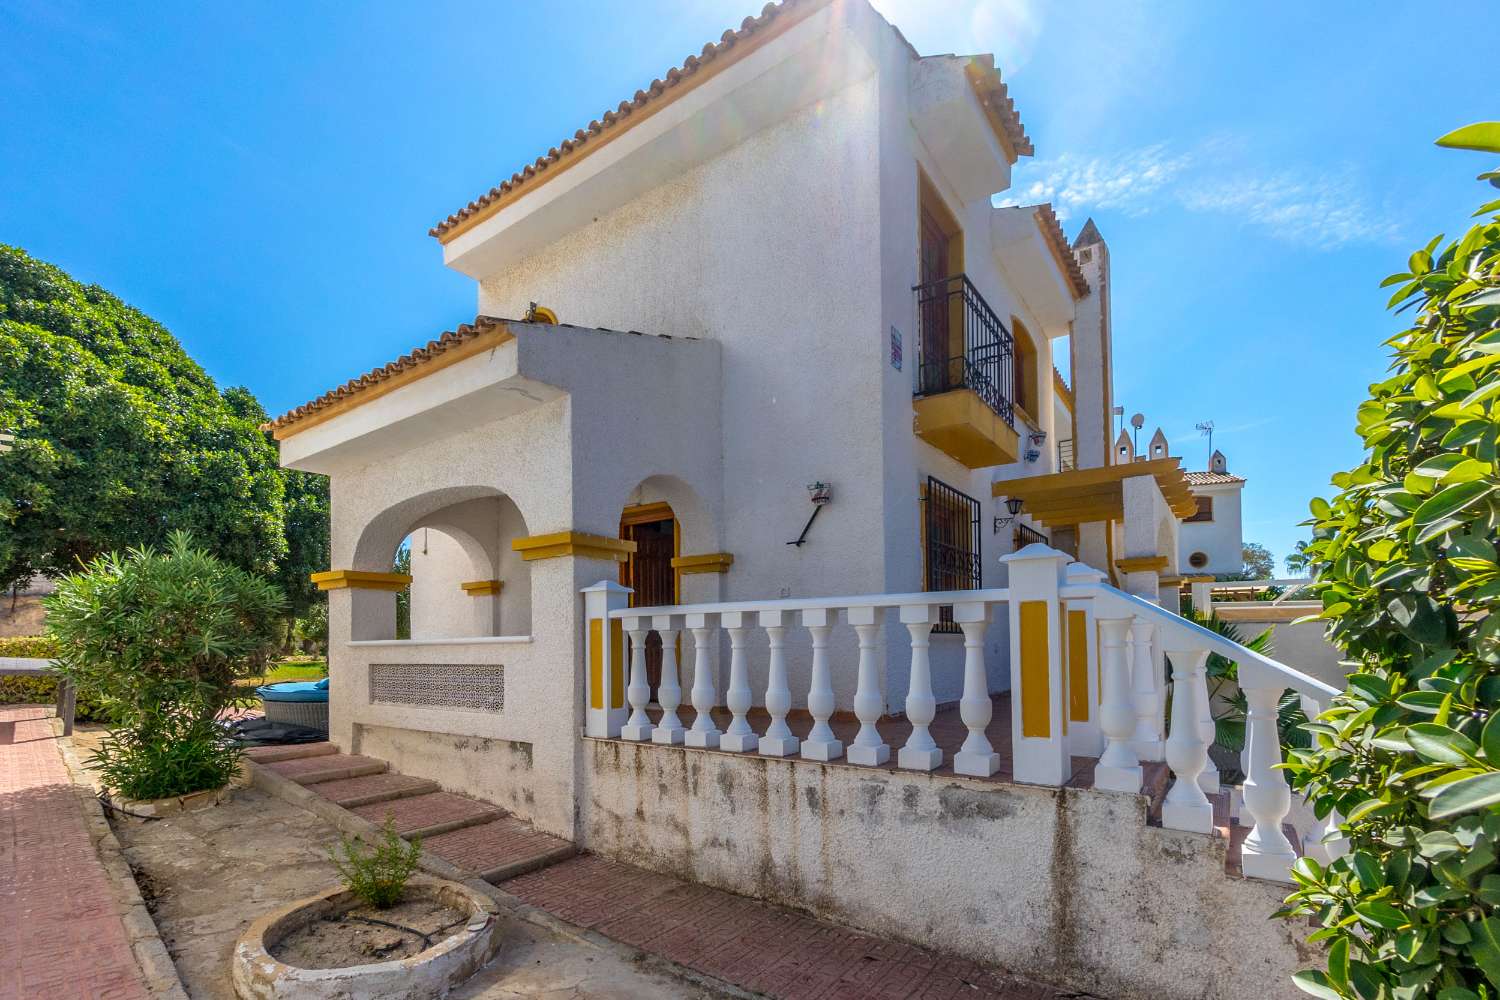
[[1138, 421]]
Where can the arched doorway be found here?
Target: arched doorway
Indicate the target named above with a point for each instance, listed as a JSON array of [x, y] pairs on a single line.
[[648, 571]]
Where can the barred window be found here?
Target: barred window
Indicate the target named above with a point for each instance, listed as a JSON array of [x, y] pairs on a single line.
[[950, 536]]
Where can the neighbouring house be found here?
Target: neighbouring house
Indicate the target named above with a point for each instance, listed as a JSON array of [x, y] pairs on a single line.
[[756, 536], [1213, 539]]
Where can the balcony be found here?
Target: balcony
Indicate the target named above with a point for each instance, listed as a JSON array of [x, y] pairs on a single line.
[[964, 396]]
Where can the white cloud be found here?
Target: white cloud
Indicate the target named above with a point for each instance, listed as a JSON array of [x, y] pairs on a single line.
[[1326, 212]]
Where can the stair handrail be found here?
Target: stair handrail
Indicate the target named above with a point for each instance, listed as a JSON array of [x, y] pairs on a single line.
[[1269, 671]]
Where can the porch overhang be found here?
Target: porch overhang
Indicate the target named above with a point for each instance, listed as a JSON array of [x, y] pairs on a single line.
[[1030, 248], [964, 427], [1084, 496]]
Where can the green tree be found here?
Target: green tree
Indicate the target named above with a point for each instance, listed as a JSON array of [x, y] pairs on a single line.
[[1259, 563], [1406, 567], [121, 438]]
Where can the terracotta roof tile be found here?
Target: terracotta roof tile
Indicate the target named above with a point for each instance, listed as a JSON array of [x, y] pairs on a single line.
[[423, 355], [995, 96], [621, 116], [1212, 479], [1052, 230]]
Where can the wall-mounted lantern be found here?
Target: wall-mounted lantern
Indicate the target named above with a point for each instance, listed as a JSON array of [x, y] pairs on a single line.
[[820, 493], [1012, 504]]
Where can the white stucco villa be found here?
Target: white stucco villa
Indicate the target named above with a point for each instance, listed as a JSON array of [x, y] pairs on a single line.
[[1213, 538], [757, 538]]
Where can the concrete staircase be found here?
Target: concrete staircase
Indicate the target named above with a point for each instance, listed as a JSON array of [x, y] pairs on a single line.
[[479, 838]]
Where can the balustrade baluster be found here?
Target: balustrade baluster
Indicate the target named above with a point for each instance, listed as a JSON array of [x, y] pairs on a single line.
[[1119, 769], [868, 748], [1266, 852], [1146, 684], [1208, 778], [1186, 807], [669, 731], [778, 740], [921, 752], [638, 726], [820, 743], [977, 756], [739, 737], [704, 733]]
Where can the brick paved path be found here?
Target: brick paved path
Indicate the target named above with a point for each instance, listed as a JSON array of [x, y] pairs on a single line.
[[60, 930], [758, 947]]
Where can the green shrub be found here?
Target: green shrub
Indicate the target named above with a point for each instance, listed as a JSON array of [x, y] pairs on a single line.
[[1406, 567], [38, 647], [163, 636], [377, 873]]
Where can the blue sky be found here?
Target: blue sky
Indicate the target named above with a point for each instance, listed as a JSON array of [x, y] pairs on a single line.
[[261, 177]]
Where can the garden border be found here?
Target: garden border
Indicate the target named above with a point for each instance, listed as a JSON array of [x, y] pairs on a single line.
[[150, 952]]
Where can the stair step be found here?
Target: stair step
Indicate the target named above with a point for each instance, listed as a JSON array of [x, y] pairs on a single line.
[[431, 814], [294, 751], [500, 849], [371, 788], [327, 767]]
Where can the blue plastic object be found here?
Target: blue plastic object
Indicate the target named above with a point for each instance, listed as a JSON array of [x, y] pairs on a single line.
[[295, 691]]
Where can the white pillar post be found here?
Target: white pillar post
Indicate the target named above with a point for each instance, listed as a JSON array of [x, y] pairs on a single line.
[[1038, 682], [669, 731], [778, 741], [977, 756], [639, 727], [739, 737], [1147, 690], [921, 752], [1118, 770], [868, 748], [604, 653], [1186, 807], [1203, 601], [1266, 852], [1085, 686], [704, 734], [820, 743]]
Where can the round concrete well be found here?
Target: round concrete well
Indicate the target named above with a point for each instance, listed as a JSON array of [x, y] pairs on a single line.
[[431, 973]]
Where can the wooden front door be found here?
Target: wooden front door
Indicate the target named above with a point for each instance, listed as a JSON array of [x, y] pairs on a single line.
[[648, 571]]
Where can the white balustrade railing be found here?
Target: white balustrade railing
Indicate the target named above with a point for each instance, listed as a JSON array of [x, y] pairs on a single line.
[[1127, 688]]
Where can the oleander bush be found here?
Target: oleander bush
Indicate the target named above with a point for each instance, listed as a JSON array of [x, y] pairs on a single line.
[[163, 636], [1405, 563]]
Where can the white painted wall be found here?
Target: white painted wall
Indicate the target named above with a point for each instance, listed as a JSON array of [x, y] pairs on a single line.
[[1222, 539]]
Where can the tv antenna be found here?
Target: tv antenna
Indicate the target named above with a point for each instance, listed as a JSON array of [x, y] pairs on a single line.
[[1138, 421], [1207, 428]]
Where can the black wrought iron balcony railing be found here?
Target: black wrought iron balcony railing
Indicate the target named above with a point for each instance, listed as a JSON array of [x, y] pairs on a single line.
[[961, 344]]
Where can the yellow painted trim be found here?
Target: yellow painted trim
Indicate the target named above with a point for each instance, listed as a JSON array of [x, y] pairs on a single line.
[[1036, 673], [482, 588], [724, 58], [963, 427], [541, 314], [1078, 666], [596, 663], [572, 543], [617, 657], [353, 579], [712, 562], [1142, 564], [1253, 612], [495, 336]]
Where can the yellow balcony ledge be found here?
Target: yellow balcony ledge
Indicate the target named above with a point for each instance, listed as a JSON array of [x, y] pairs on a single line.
[[482, 588], [572, 543], [712, 562], [963, 427], [353, 579]]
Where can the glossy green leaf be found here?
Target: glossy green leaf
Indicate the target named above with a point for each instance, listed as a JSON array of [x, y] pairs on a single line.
[[1482, 136], [1466, 795]]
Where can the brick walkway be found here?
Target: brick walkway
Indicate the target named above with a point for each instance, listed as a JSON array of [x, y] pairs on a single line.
[[761, 948], [60, 929]]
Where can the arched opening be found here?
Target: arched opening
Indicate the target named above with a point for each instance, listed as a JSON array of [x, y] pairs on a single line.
[[467, 581]]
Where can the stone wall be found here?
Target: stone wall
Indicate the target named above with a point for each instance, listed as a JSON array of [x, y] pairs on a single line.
[[1070, 885]]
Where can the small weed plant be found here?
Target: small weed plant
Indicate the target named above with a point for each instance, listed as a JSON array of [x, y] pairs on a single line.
[[377, 873]]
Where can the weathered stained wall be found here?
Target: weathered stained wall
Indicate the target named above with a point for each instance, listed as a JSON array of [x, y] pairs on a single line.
[[1070, 886]]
